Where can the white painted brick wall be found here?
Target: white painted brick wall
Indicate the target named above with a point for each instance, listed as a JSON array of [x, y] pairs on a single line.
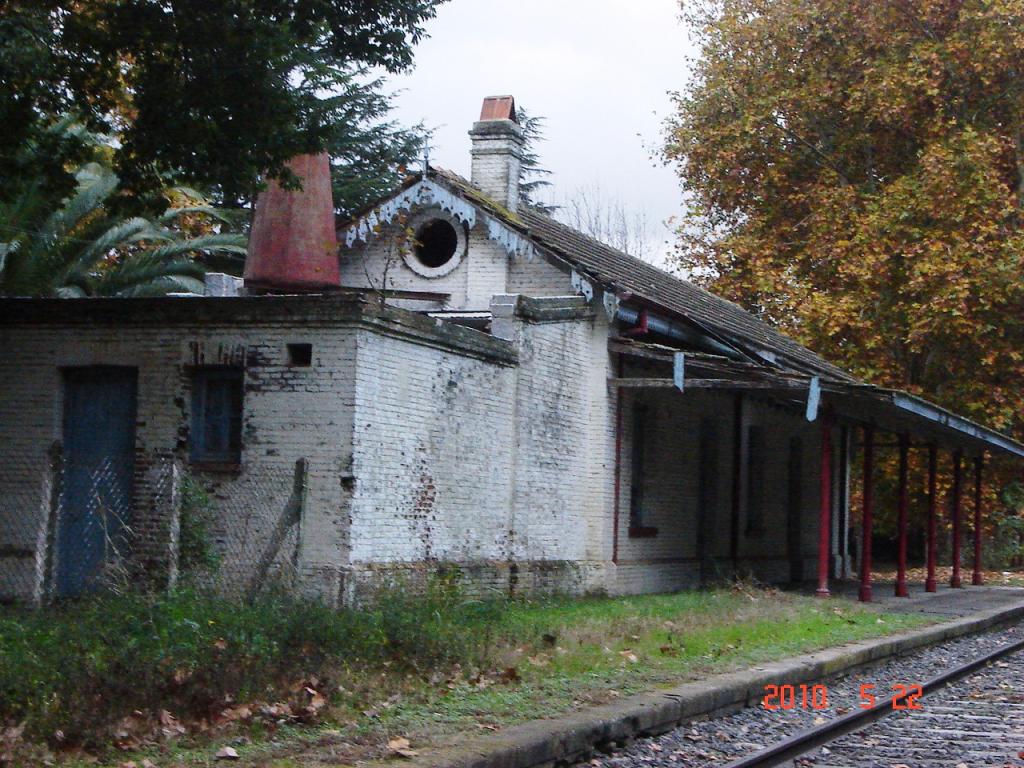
[[550, 520], [670, 560], [482, 272], [537, 277], [432, 454], [288, 414], [467, 462]]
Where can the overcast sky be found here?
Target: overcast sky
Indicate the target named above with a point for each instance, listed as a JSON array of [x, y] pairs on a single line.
[[598, 70]]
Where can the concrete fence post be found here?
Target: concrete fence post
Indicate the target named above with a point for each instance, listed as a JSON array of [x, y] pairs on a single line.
[[174, 524]]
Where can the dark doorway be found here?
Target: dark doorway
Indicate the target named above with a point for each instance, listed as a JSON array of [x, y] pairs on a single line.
[[794, 509], [99, 459]]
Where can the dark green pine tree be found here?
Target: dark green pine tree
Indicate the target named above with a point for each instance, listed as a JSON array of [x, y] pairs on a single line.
[[534, 178], [215, 95]]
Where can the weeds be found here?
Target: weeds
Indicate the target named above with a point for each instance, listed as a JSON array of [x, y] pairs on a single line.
[[196, 551], [76, 673], [71, 672]]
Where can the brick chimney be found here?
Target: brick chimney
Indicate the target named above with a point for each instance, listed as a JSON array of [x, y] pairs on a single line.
[[293, 246], [498, 151]]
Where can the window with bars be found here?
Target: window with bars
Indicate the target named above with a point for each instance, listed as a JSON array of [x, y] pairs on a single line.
[[216, 415]]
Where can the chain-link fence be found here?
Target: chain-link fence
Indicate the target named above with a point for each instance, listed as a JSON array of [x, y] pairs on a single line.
[[69, 528]]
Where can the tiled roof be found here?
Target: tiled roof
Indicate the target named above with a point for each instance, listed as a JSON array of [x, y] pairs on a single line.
[[624, 273]]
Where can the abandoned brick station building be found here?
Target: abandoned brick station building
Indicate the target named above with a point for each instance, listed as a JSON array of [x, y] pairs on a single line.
[[499, 393]]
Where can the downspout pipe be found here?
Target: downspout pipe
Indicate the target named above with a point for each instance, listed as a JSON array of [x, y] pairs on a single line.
[[677, 331]]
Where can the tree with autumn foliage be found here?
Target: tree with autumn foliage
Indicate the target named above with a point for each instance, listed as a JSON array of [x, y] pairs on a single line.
[[854, 173]]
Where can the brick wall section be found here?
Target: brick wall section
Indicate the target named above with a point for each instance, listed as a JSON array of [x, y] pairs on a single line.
[[671, 559], [288, 414], [551, 438], [429, 445], [432, 455], [488, 265], [469, 464], [766, 550], [537, 277], [482, 272]]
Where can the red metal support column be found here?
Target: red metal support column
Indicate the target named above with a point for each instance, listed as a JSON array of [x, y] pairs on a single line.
[[957, 494], [867, 518], [901, 544], [825, 518], [976, 577], [933, 470]]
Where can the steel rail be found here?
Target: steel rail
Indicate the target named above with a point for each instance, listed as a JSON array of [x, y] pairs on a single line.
[[804, 741]]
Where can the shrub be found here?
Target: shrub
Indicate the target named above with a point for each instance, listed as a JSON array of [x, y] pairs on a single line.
[[196, 552], [80, 667], [436, 625]]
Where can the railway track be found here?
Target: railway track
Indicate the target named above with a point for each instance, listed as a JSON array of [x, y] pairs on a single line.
[[979, 722], [968, 710]]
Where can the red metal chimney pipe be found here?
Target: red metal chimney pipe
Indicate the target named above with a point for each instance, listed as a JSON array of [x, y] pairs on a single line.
[[293, 246]]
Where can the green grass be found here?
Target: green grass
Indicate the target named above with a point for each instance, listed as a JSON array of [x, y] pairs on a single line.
[[423, 667], [632, 644]]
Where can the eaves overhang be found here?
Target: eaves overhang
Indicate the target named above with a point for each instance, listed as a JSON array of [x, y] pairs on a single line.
[[852, 403]]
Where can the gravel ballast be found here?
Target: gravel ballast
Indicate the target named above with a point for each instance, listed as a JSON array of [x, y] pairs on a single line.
[[724, 738]]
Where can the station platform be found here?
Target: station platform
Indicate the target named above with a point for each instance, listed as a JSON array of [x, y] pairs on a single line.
[[946, 601]]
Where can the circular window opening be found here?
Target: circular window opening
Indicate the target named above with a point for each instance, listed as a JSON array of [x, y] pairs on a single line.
[[436, 243]]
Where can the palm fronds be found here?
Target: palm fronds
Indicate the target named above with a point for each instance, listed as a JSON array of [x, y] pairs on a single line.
[[80, 250]]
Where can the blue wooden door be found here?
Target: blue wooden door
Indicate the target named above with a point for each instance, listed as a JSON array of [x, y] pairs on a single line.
[[99, 463]]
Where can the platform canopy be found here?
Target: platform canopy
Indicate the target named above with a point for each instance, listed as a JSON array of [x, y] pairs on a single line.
[[887, 409]]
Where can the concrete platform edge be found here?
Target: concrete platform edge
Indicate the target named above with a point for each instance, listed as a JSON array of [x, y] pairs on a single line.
[[544, 743]]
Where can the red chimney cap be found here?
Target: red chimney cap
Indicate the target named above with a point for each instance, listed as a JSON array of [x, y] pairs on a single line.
[[499, 108]]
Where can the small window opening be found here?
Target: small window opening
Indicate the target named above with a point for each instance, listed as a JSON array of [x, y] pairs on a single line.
[[217, 415], [300, 355], [436, 243]]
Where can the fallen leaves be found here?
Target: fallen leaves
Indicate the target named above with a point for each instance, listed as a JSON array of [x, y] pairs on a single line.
[[400, 747], [10, 738], [169, 725], [316, 702], [382, 706], [235, 714], [510, 675]]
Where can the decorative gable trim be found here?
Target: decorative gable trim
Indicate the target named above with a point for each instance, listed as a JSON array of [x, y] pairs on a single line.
[[582, 285], [427, 192], [515, 244]]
